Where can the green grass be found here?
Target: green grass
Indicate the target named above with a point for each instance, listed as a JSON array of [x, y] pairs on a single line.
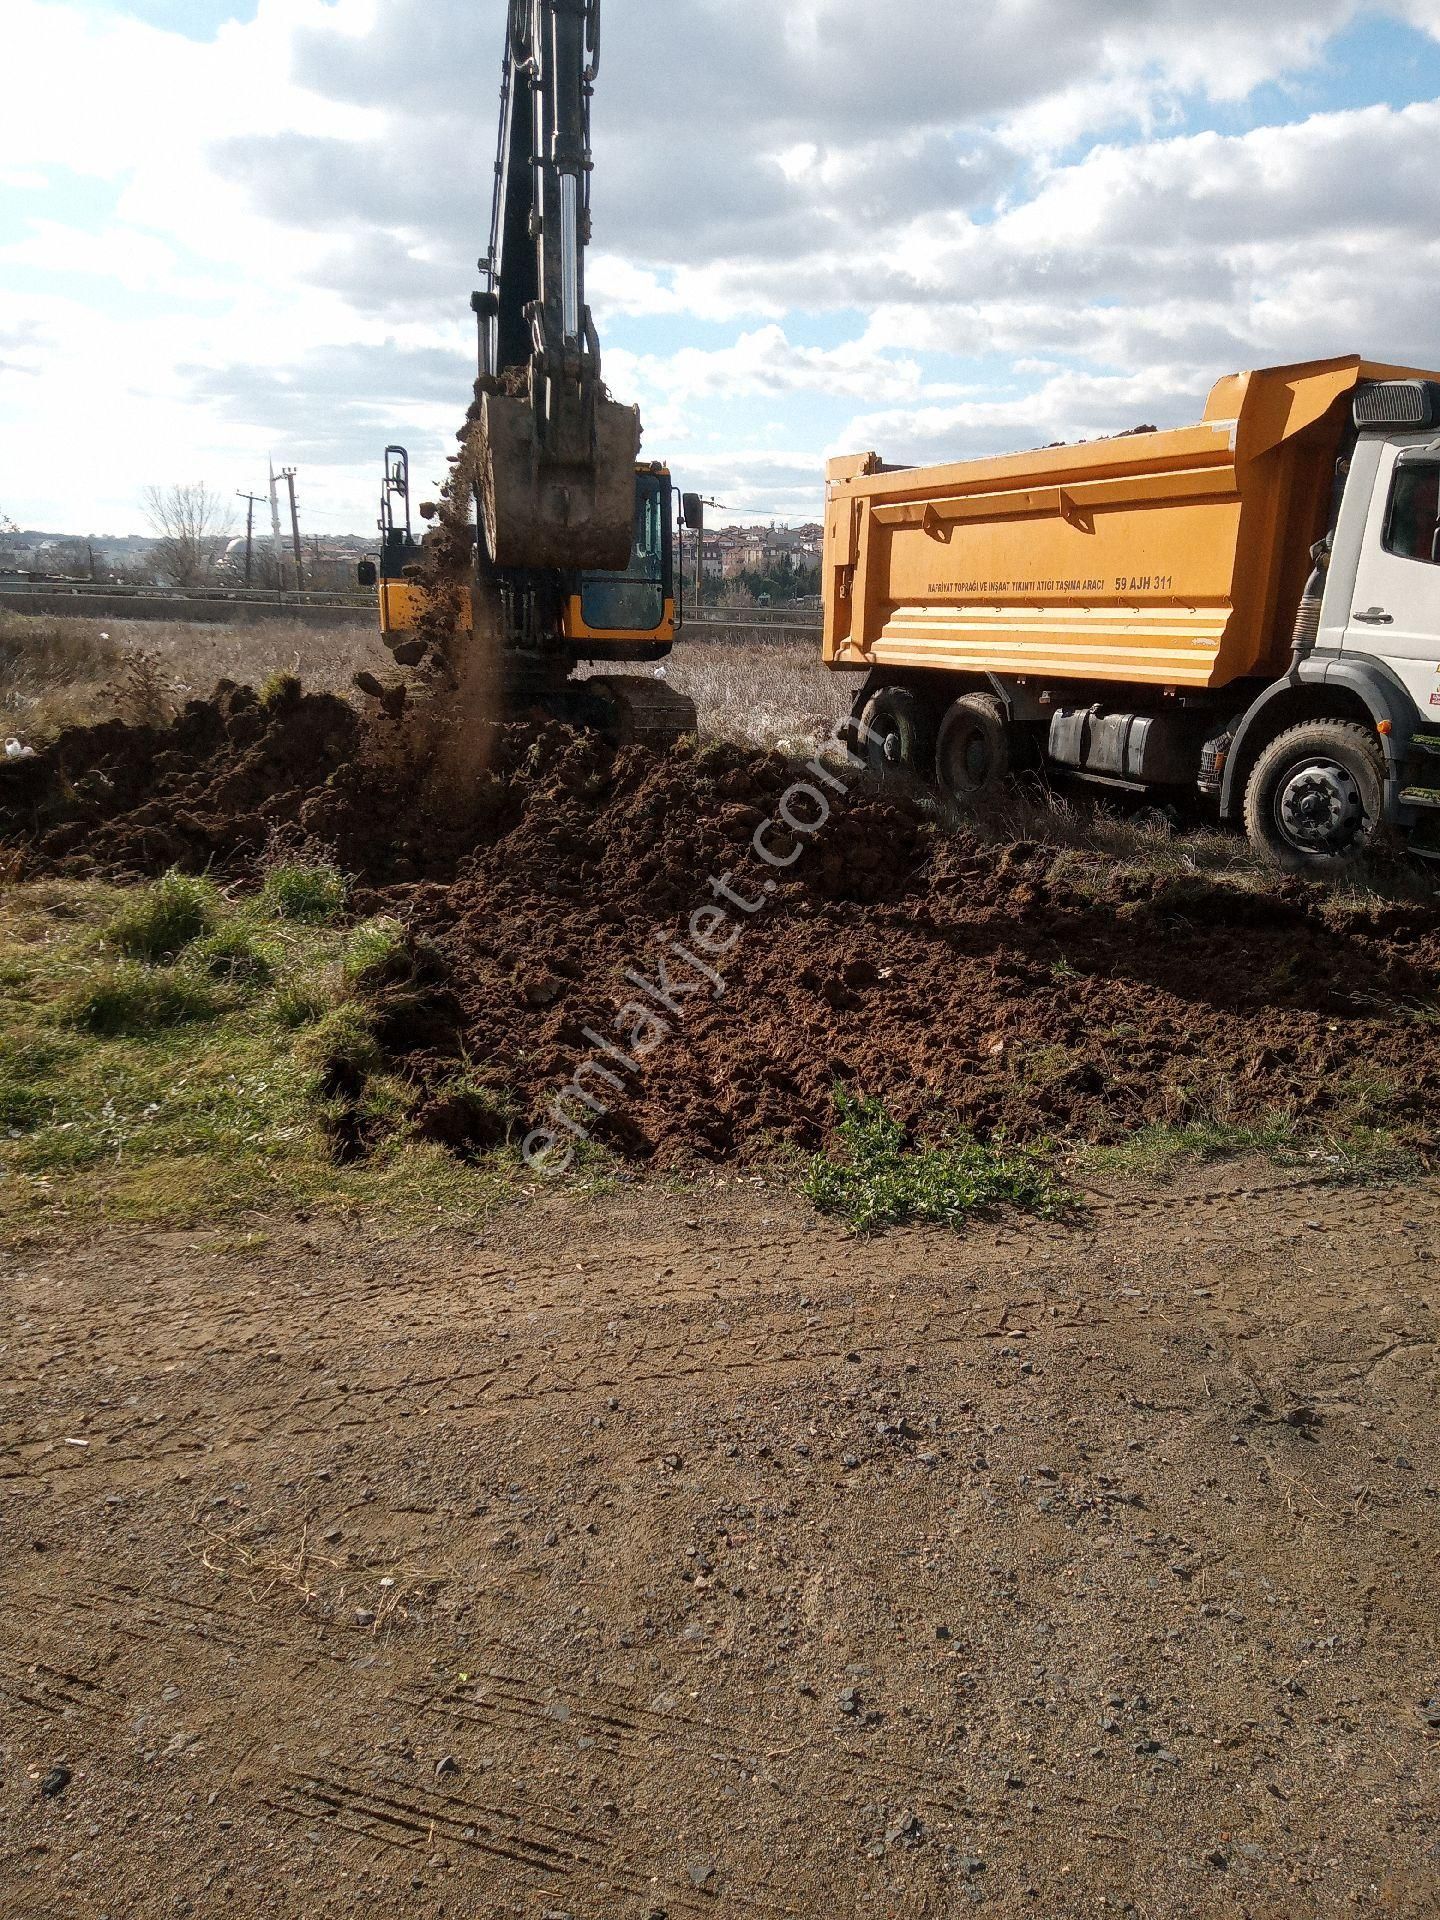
[[1159, 1152], [161, 920], [311, 893], [1356, 1147], [238, 954], [190, 1091], [135, 999], [880, 1180], [377, 955]]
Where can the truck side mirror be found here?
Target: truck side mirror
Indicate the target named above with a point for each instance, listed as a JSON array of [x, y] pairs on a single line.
[[692, 512], [366, 573]]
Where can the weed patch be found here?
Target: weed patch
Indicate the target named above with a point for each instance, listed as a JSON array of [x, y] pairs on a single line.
[[879, 1180]]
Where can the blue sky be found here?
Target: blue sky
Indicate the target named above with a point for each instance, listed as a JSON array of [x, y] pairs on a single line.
[[248, 227]]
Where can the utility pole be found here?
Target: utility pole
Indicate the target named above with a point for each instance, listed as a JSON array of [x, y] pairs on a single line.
[[287, 474], [252, 499], [275, 535], [699, 532]]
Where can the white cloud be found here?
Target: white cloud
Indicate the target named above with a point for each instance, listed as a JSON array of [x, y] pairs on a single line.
[[279, 228]]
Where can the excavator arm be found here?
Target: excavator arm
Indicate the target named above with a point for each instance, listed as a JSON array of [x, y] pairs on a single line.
[[556, 456]]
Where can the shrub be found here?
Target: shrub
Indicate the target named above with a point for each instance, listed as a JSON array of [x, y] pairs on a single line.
[[881, 1181], [136, 1000], [310, 892], [165, 918]]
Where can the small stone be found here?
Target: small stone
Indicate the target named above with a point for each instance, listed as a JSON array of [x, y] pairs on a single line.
[[364, 1617], [701, 1876], [333, 1536], [1215, 1858], [446, 1766], [55, 1782], [850, 1462], [849, 1701]]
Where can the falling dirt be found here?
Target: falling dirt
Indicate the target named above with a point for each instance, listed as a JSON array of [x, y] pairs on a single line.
[[449, 711], [1012, 987]]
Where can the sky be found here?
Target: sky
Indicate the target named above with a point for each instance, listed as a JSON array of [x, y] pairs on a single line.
[[232, 230]]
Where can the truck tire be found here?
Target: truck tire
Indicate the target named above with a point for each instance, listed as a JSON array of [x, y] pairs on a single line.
[[1316, 796], [896, 734], [973, 755]]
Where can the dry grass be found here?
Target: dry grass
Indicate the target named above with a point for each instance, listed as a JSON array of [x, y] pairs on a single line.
[[57, 672], [766, 693]]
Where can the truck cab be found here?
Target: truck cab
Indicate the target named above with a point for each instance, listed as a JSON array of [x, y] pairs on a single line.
[[1249, 608]]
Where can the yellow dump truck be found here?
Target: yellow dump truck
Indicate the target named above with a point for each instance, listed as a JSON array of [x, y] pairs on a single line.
[[1250, 607]]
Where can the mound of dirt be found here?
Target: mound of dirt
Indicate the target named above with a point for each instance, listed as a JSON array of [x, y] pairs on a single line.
[[636, 945], [210, 789], [950, 978]]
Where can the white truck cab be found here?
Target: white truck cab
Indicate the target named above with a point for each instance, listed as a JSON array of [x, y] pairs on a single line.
[[1382, 594]]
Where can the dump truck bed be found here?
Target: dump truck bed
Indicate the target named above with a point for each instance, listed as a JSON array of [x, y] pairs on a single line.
[[1174, 559]]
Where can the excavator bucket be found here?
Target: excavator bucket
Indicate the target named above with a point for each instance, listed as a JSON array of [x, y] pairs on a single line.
[[543, 513]]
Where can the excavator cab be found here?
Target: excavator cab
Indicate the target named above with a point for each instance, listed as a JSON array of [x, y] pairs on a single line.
[[625, 613], [397, 574], [630, 614]]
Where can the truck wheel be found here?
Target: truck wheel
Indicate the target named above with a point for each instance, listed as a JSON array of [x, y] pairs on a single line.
[[896, 734], [973, 755], [1316, 795]]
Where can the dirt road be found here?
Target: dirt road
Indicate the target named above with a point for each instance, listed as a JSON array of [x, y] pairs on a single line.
[[676, 1555]]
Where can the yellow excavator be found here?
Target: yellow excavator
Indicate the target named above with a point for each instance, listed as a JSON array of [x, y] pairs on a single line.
[[574, 538]]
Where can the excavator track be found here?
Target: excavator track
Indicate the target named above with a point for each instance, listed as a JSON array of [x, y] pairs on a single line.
[[635, 712]]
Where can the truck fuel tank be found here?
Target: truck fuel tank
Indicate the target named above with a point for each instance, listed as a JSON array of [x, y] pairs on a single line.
[[1152, 750]]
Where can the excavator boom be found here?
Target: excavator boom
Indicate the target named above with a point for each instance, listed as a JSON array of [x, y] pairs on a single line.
[[556, 456]]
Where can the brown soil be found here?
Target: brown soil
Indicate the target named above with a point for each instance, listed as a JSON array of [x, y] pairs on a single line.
[[1008, 985], [679, 1557]]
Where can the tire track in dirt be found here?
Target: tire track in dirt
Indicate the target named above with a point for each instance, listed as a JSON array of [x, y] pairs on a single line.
[[561, 1367]]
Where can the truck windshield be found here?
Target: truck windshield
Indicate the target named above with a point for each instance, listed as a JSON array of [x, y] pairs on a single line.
[[1412, 528], [634, 601]]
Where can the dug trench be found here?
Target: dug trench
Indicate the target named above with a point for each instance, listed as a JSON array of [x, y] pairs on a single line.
[[551, 904]]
